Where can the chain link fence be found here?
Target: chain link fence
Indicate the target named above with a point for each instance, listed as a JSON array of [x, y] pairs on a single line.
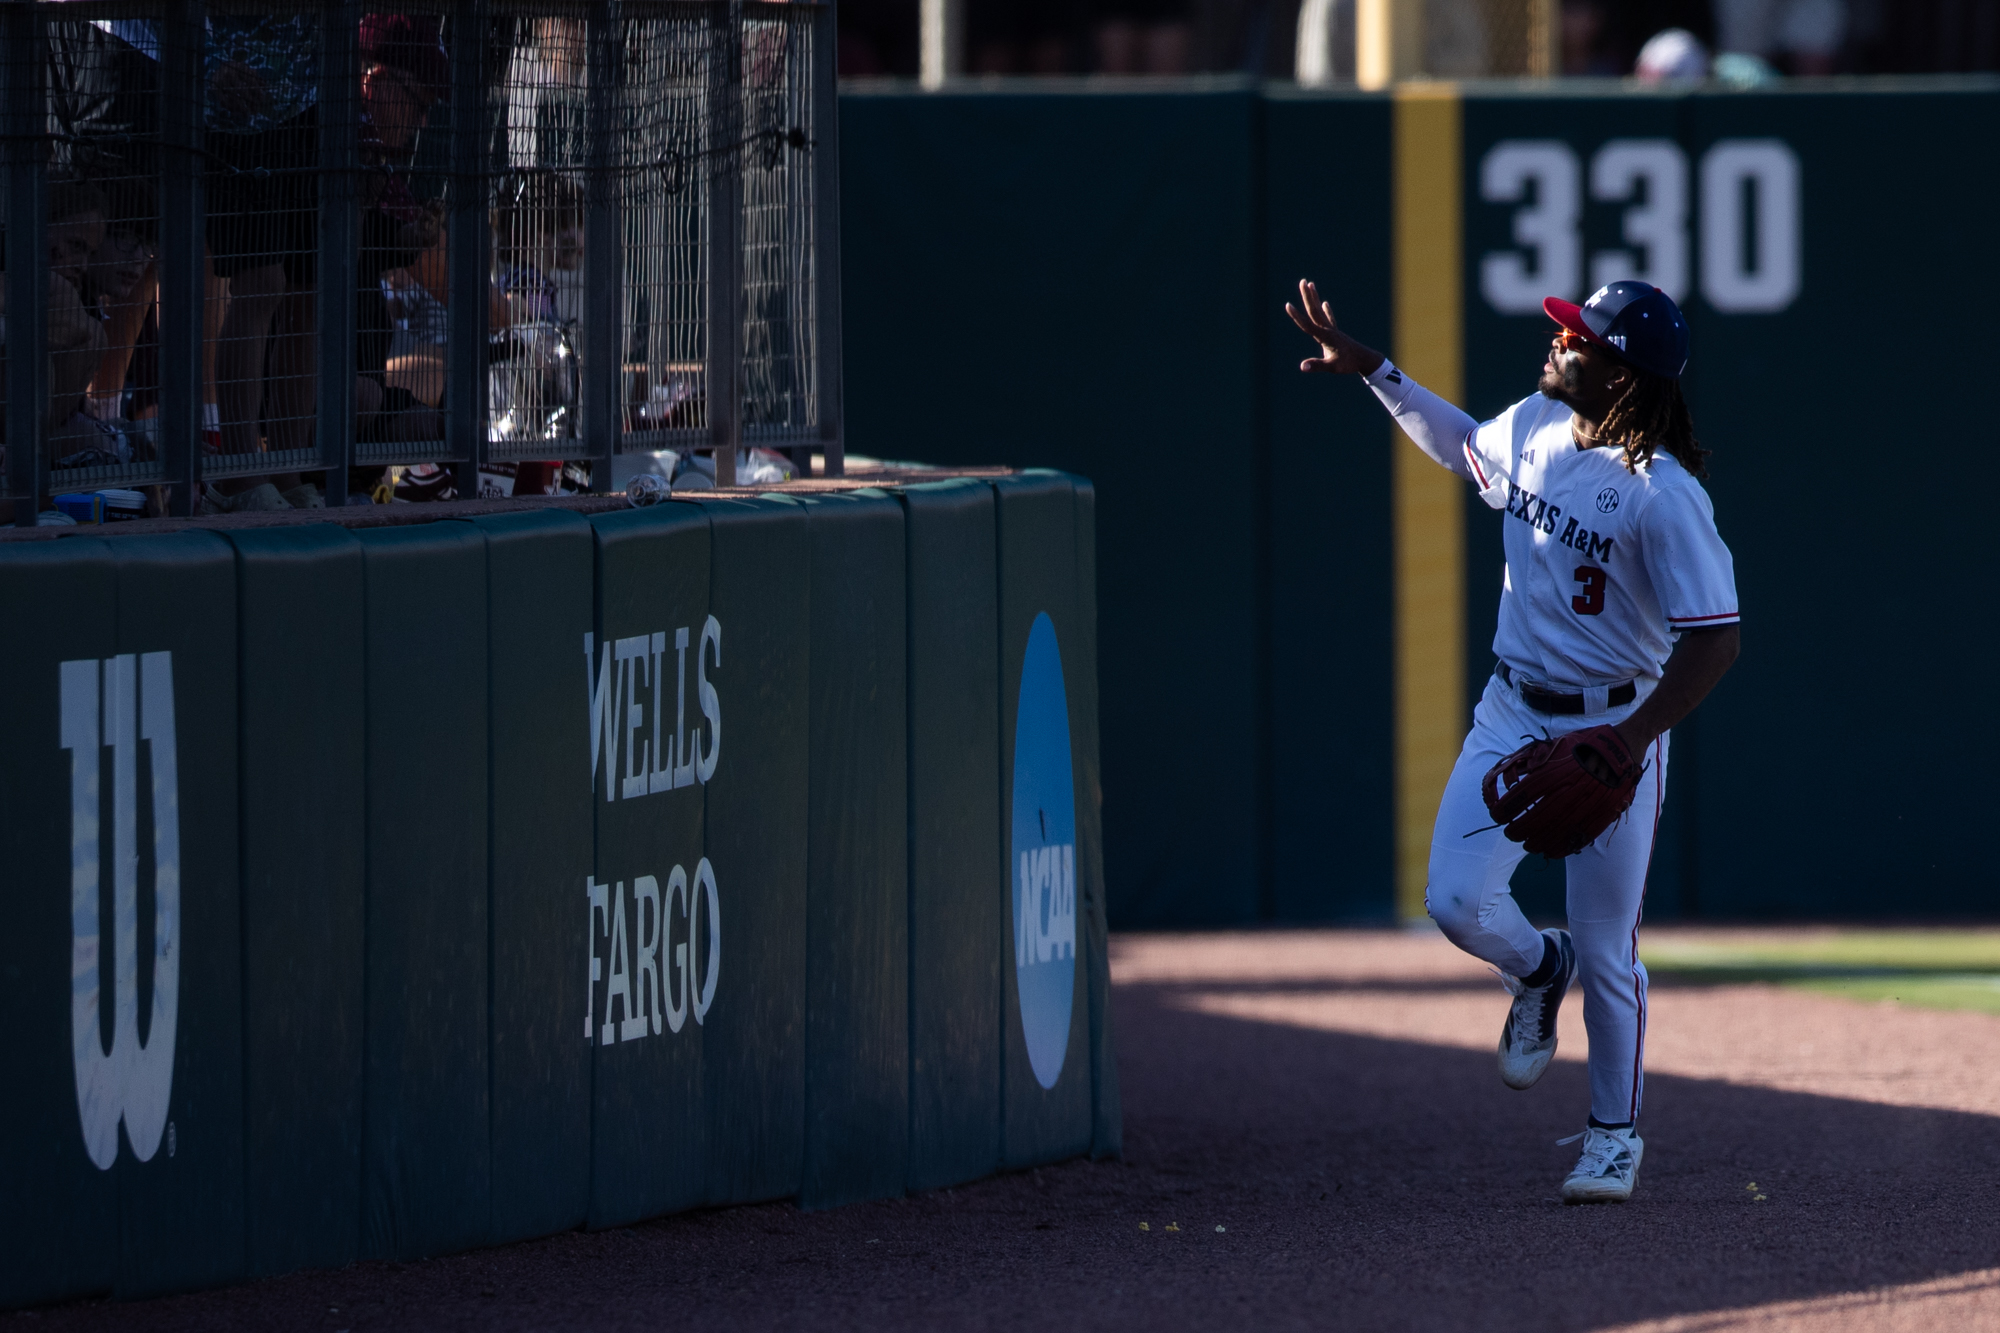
[[317, 254]]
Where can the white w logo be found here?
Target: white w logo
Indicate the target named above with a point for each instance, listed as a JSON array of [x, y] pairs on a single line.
[[132, 1080]]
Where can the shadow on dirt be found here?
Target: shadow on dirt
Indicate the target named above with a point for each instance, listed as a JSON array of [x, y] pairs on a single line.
[[1443, 1183], [1276, 1177]]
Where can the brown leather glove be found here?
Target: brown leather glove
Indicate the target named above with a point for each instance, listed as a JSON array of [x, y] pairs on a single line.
[[1550, 802]]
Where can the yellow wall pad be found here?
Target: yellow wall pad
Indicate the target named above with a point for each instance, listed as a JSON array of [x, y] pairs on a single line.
[[1429, 513]]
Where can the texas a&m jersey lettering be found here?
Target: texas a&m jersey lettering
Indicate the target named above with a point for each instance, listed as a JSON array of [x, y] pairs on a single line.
[[1538, 513]]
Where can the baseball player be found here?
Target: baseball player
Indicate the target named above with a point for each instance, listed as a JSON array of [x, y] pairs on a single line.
[[1617, 616]]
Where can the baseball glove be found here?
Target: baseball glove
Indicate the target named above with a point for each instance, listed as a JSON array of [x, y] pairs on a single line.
[[1550, 803]]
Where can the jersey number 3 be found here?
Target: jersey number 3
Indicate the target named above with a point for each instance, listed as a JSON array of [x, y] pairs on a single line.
[[1590, 601]]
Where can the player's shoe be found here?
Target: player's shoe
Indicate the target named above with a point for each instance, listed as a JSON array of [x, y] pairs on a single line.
[[1608, 1167], [1528, 1037]]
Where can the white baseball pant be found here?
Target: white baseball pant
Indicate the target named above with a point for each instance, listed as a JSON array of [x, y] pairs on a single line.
[[1468, 894]]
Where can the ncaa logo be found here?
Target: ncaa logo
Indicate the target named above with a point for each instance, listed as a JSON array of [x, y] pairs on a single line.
[[1607, 500], [1044, 856], [122, 704]]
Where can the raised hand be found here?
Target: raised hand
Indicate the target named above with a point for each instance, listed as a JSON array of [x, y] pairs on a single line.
[[1341, 355]]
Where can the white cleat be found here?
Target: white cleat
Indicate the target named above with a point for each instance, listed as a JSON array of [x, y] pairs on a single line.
[[1609, 1166], [1528, 1037]]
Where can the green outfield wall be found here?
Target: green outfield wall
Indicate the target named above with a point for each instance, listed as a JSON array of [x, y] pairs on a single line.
[[391, 891], [1127, 250]]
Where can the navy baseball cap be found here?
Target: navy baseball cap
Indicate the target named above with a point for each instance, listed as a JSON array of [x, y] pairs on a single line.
[[1634, 321]]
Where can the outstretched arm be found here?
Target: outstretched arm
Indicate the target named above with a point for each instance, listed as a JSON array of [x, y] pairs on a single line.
[[1433, 425], [1339, 354]]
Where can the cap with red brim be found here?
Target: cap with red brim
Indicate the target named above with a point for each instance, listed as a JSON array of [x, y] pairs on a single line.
[[1633, 321], [1570, 315]]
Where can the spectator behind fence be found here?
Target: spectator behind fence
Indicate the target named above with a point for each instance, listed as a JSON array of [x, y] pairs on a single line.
[[537, 224], [121, 285], [74, 339], [103, 102], [122, 290], [261, 117], [263, 224], [103, 79], [547, 93], [405, 72], [537, 233], [74, 336], [1800, 36], [1673, 56], [77, 214]]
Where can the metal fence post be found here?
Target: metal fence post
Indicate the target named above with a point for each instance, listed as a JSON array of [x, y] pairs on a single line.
[[603, 248], [826, 236], [24, 67], [468, 238], [940, 42], [723, 378], [182, 254], [339, 243]]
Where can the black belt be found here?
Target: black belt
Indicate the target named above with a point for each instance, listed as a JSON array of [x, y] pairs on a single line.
[[1551, 701]]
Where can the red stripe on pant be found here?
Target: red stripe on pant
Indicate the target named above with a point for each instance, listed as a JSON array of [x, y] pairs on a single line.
[[1638, 987]]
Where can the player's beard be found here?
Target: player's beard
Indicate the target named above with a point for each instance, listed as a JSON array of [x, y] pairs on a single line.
[[1562, 381]]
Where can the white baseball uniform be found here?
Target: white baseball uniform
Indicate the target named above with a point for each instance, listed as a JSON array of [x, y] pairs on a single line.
[[1605, 568]]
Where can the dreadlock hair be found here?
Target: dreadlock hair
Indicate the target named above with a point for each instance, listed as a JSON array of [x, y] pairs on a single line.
[[1651, 415]]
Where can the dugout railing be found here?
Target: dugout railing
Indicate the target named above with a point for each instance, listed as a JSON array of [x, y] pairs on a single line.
[[458, 208]]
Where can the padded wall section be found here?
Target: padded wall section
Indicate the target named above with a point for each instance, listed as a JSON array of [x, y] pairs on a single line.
[[369, 854], [1790, 214], [541, 577], [426, 1140], [301, 703], [1331, 655], [754, 1035], [651, 918], [956, 942], [1058, 206], [180, 1213], [1107, 1108], [857, 970], [1890, 208], [59, 1227], [1045, 1008], [119, 949]]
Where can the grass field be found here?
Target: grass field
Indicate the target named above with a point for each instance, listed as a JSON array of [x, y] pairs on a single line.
[[1933, 969]]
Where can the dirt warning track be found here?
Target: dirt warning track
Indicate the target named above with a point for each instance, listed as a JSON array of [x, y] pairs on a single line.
[[1316, 1137]]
